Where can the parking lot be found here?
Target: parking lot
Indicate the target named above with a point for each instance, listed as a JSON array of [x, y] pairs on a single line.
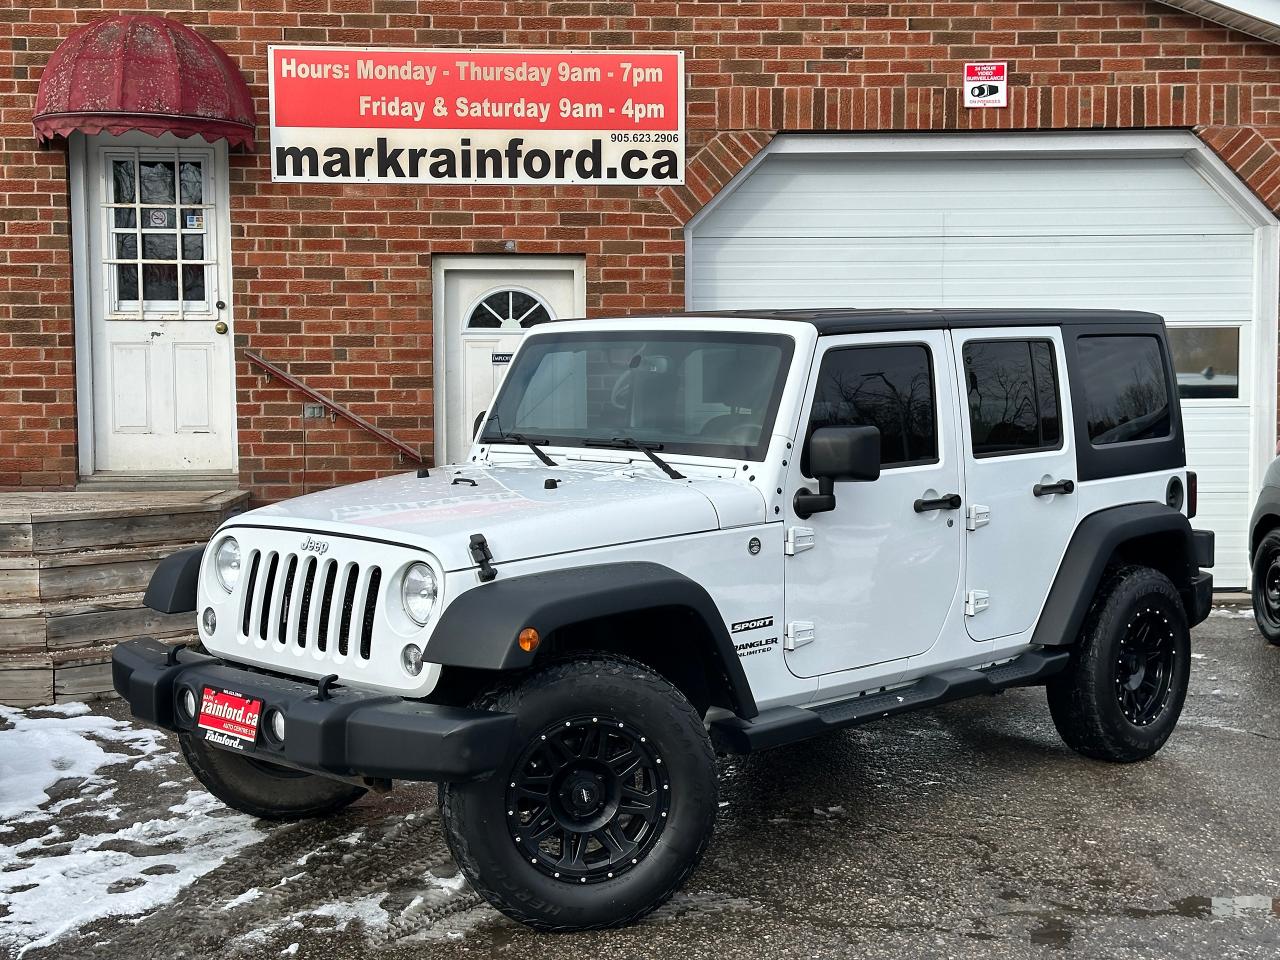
[[969, 831]]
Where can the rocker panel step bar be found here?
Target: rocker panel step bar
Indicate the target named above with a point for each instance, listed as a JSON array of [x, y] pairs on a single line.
[[783, 725]]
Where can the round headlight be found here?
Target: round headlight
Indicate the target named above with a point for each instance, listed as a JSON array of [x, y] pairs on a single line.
[[418, 593], [226, 563]]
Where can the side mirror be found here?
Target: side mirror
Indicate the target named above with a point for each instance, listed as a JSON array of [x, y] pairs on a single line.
[[847, 454], [475, 430]]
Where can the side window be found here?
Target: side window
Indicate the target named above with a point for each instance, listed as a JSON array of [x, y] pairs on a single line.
[[1125, 388], [889, 387], [1013, 396]]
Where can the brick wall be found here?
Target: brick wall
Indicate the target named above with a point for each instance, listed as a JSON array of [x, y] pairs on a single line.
[[334, 281]]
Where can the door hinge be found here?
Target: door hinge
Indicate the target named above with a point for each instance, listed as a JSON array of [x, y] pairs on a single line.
[[799, 539], [977, 515], [975, 601], [797, 634]]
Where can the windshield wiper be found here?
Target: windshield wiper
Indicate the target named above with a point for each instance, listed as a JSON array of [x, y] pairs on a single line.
[[531, 444], [631, 443]]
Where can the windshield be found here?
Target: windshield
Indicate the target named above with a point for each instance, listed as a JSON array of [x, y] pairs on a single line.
[[709, 394]]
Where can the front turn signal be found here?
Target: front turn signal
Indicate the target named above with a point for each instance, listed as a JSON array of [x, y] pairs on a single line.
[[528, 639]]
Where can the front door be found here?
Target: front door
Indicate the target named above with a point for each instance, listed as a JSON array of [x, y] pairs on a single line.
[[881, 577], [160, 346], [488, 303], [1020, 467]]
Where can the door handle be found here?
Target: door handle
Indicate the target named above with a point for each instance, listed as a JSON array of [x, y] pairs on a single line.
[[220, 328], [1049, 489], [950, 501]]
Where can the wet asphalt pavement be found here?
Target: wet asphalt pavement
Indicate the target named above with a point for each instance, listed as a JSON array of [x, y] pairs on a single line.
[[968, 831]]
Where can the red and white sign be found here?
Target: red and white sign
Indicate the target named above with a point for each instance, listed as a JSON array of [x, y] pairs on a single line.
[[354, 114], [228, 714], [986, 84]]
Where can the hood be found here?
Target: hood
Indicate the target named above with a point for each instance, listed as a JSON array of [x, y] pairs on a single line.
[[592, 505]]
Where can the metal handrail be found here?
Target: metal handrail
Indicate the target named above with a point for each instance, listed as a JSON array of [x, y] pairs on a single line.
[[332, 406]]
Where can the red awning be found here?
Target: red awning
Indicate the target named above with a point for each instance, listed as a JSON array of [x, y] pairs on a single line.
[[143, 72]]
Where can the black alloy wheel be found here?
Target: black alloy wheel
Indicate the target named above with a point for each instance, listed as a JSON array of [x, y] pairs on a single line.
[[1266, 587], [1145, 664], [588, 800], [604, 804], [1120, 696]]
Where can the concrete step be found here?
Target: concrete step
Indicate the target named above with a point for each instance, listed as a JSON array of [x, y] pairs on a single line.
[[120, 481], [87, 573], [71, 522]]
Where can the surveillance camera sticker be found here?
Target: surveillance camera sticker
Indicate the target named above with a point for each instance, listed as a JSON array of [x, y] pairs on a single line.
[[986, 85]]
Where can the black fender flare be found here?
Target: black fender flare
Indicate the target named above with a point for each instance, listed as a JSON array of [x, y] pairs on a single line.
[[172, 588], [1094, 543], [1265, 516], [478, 630]]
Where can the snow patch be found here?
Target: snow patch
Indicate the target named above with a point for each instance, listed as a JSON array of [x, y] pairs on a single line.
[[75, 708], [38, 752], [250, 895], [1231, 613], [50, 885], [50, 896]]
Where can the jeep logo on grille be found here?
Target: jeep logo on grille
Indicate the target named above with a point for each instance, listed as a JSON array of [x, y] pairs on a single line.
[[312, 545]]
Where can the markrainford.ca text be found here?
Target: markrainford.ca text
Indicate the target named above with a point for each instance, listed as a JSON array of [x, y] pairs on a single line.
[[466, 162]]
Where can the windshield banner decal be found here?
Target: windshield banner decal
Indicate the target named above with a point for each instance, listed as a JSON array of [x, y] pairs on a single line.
[[363, 115]]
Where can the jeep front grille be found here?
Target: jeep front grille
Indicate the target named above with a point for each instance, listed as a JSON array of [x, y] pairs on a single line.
[[323, 605]]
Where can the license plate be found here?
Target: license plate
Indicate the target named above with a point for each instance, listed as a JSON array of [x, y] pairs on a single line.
[[229, 719]]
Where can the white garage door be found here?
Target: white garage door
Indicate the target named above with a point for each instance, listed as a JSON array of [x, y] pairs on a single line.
[[1139, 233]]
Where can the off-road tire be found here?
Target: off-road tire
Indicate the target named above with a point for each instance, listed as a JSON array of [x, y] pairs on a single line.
[[475, 815], [1084, 699], [1266, 587], [264, 790]]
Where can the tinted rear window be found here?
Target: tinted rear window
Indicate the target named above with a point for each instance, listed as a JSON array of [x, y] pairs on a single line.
[[1125, 388], [1013, 396]]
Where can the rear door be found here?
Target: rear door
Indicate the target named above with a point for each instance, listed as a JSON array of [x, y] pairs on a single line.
[[1020, 473]]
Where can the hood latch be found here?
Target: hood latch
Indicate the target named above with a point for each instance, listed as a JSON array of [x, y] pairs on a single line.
[[481, 555]]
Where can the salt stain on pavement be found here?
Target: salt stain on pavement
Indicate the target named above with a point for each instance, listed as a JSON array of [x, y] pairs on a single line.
[[53, 885]]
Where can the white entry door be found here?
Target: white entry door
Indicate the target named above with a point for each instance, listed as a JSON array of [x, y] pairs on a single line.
[[484, 306], [160, 344]]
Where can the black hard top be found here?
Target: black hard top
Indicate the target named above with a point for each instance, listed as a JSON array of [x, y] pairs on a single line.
[[831, 321]]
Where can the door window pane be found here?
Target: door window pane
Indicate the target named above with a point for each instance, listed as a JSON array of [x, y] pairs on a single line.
[[1125, 388], [889, 387], [127, 281], [155, 181], [1207, 361], [508, 309], [191, 182], [159, 281], [1013, 396], [122, 181], [159, 246]]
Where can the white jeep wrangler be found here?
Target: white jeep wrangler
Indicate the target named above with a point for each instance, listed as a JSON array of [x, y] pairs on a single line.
[[676, 535]]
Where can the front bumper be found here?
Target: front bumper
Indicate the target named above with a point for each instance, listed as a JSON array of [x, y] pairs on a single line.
[[351, 733]]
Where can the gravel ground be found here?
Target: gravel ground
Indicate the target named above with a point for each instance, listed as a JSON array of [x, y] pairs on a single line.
[[969, 831]]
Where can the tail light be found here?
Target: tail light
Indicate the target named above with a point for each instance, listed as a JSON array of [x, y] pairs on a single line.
[[1193, 493]]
